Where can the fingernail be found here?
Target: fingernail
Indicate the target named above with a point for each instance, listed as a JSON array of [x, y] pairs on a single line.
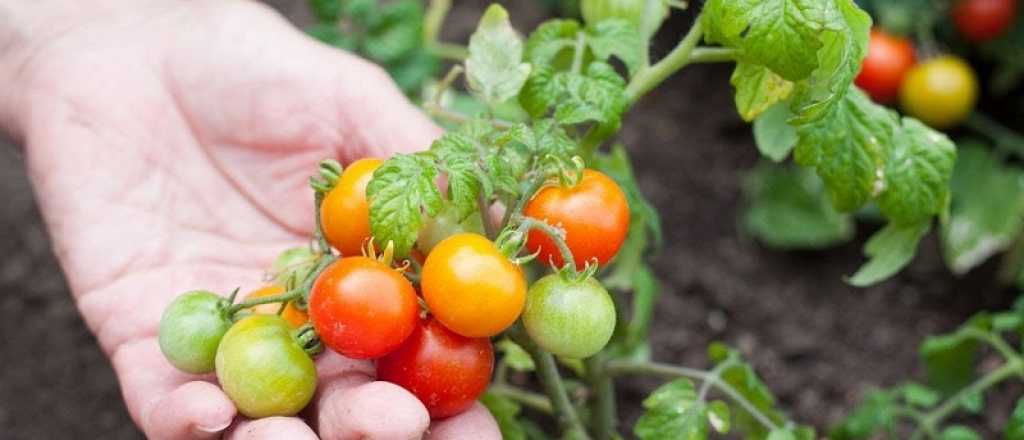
[[213, 430]]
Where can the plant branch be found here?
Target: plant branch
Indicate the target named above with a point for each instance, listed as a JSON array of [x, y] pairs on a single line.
[[485, 216], [647, 79], [706, 55], [619, 367], [580, 49], [528, 399], [603, 414], [930, 420], [555, 234], [437, 11], [547, 372]]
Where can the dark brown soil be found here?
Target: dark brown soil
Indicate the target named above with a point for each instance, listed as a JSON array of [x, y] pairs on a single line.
[[818, 343]]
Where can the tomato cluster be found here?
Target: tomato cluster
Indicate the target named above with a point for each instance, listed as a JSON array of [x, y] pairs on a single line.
[[435, 341], [940, 91]]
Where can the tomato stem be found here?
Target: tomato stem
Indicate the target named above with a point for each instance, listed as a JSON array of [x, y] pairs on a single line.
[[603, 406], [551, 381], [282, 298], [648, 78], [434, 17], [556, 235], [1004, 138], [527, 398]]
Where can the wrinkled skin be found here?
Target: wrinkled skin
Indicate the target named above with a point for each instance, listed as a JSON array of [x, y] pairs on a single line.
[[169, 144]]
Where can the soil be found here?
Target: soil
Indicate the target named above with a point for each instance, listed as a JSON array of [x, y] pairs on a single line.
[[817, 342]]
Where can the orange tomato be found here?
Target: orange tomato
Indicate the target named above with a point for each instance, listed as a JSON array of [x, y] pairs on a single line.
[[292, 315], [471, 287], [345, 212]]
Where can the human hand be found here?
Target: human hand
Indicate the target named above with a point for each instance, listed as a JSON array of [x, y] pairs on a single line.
[[169, 144]]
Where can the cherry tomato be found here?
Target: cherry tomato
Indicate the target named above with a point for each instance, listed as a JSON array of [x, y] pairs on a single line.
[[191, 328], [362, 308], [445, 224], [291, 314], [446, 371], [263, 370], [345, 213], [941, 92], [596, 11], [293, 265], [471, 287], [984, 20], [889, 59], [594, 215], [569, 318]]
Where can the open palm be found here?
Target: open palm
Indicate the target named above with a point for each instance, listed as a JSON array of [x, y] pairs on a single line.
[[169, 144]]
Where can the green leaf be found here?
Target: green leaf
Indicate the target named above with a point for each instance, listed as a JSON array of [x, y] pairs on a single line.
[[779, 34], [845, 42], [774, 137], [980, 227], [889, 250], [973, 403], [540, 91], [849, 149], [757, 89], [402, 190], [551, 44], [781, 434], [458, 156], [328, 11], [917, 174], [619, 38], [396, 33], [718, 416], [505, 412], [786, 207], [949, 361], [494, 69], [514, 356], [741, 376], [959, 432], [874, 415], [919, 395], [1015, 426], [672, 412], [598, 96]]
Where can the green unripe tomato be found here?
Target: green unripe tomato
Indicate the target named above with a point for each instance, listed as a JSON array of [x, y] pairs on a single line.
[[294, 263], [191, 329], [445, 224], [573, 319], [596, 11], [263, 370]]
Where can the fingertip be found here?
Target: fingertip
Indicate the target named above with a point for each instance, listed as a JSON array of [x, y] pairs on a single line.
[[193, 410], [476, 423], [271, 428], [378, 410]]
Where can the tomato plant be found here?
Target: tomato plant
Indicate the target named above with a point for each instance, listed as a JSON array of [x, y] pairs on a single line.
[[983, 20], [537, 150], [446, 371], [471, 287], [191, 328], [262, 368], [940, 91], [570, 318], [362, 308], [345, 215], [888, 60], [593, 212]]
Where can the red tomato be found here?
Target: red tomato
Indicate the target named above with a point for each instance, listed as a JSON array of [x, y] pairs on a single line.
[[889, 59], [594, 215], [983, 20], [362, 308], [447, 372]]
